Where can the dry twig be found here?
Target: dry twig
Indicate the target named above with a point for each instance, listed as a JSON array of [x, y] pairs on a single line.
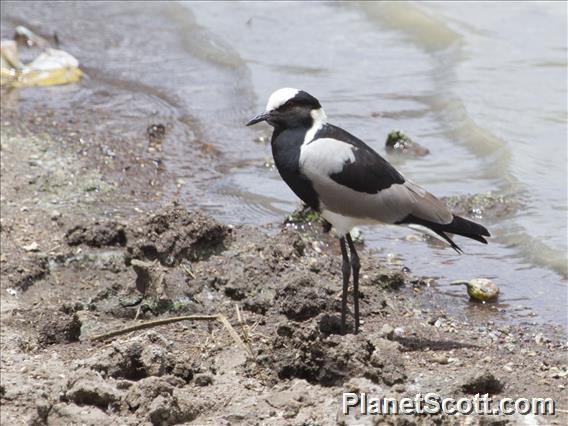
[[246, 336], [149, 324]]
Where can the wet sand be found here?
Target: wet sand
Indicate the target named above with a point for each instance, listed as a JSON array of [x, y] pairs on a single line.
[[74, 216]]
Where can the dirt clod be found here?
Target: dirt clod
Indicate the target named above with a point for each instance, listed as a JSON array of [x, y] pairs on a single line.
[[89, 388], [175, 234], [387, 279], [482, 384], [23, 274], [97, 234], [331, 324], [135, 359], [59, 328], [203, 379]]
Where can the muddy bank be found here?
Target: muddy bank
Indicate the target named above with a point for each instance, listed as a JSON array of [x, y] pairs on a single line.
[[91, 272]]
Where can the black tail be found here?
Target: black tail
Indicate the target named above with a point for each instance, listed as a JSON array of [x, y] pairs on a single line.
[[458, 226]]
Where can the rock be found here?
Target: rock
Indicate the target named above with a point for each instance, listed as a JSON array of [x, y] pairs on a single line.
[[482, 384], [59, 328], [97, 234], [400, 143], [175, 234], [89, 388]]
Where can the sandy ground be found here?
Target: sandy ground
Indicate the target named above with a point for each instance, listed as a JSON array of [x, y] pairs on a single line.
[[88, 246]]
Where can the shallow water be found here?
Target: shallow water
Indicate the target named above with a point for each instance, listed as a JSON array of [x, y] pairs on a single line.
[[482, 85]]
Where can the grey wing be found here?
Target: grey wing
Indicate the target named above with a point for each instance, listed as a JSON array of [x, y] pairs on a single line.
[[390, 205]]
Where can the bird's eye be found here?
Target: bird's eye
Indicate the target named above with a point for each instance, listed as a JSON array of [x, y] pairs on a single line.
[[289, 105]]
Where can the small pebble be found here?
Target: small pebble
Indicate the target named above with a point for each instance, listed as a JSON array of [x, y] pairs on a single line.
[[399, 331], [441, 359], [540, 339], [399, 388], [31, 247], [387, 331]]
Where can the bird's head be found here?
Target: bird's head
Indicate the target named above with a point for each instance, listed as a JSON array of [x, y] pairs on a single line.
[[289, 108]]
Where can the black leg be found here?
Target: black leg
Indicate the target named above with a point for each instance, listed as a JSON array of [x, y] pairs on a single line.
[[346, 273], [356, 267]]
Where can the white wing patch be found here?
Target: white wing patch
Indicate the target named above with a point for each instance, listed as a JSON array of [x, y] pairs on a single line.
[[323, 157]]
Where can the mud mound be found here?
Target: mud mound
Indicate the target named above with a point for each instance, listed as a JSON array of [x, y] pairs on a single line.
[[306, 353], [175, 234], [97, 234], [154, 399], [140, 357], [24, 272], [253, 270], [301, 299]]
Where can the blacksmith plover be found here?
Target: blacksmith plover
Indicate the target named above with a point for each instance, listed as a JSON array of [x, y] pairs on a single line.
[[348, 183]]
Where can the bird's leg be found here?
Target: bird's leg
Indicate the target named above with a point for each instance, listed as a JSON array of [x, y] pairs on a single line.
[[346, 273], [356, 267]]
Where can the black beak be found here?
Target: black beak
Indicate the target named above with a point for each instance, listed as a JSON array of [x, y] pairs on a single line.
[[260, 117]]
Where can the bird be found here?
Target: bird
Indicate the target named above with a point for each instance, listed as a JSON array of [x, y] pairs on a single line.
[[349, 184]]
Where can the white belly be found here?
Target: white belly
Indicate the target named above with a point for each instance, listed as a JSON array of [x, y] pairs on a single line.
[[344, 224]]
